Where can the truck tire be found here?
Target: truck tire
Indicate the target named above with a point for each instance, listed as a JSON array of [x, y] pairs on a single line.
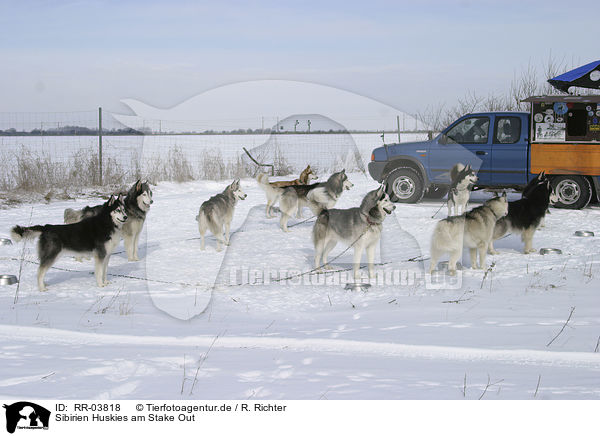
[[405, 185], [574, 192], [435, 192]]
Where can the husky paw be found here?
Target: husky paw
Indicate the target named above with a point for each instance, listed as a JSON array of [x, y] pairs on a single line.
[[133, 259], [452, 272], [493, 252], [531, 250]]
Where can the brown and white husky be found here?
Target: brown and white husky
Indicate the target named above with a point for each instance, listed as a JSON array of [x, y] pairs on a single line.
[[275, 189]]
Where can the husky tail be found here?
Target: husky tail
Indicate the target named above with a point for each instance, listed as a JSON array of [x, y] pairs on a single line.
[[273, 192], [17, 233], [454, 172], [320, 227], [71, 216], [263, 180]]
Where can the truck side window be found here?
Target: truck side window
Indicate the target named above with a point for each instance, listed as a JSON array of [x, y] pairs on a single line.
[[508, 130], [470, 131]]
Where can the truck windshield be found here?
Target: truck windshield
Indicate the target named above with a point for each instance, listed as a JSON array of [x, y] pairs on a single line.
[[472, 130]]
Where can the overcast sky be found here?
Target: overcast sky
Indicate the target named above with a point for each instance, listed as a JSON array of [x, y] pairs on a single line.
[[78, 55]]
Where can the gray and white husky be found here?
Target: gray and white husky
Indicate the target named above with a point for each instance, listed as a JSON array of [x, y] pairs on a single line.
[[473, 229], [98, 235], [359, 227], [137, 204], [462, 180], [317, 197], [217, 212]]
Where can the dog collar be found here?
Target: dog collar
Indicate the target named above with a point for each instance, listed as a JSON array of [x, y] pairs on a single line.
[[370, 222]]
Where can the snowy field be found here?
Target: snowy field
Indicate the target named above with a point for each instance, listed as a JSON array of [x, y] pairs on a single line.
[[188, 324]]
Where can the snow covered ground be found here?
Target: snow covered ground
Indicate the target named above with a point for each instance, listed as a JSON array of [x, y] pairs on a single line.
[[183, 323]]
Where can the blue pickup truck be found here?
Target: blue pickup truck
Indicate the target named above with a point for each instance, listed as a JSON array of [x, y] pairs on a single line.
[[498, 147]]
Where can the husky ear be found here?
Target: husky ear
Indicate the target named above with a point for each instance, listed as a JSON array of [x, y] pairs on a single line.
[[504, 194], [468, 167], [120, 198], [381, 191], [111, 200], [344, 171], [138, 185]]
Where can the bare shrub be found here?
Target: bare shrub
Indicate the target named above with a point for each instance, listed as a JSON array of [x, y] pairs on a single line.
[[527, 82]]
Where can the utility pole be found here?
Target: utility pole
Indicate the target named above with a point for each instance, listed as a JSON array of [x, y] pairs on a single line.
[[308, 126], [100, 145], [398, 123]]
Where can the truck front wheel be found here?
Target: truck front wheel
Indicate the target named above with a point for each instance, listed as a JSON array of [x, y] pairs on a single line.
[[574, 192], [405, 185]]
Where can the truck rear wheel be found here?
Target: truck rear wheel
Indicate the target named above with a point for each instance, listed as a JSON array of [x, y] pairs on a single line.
[[574, 192], [405, 185]]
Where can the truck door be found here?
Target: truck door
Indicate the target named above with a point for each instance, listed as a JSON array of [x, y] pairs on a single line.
[[509, 150], [466, 141]]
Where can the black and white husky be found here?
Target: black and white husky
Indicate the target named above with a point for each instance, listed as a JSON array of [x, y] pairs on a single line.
[[97, 235], [526, 215], [217, 212], [317, 197], [463, 178], [473, 229], [359, 227], [137, 204]]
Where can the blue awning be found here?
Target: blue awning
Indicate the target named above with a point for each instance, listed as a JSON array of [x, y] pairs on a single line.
[[586, 76]]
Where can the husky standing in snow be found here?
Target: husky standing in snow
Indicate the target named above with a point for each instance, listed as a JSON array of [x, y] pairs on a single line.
[[462, 180], [217, 212], [98, 234], [527, 214], [359, 226], [275, 189], [473, 229], [137, 204], [317, 197]]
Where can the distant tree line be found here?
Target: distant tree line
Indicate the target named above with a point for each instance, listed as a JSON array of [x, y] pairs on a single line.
[[86, 131], [69, 131]]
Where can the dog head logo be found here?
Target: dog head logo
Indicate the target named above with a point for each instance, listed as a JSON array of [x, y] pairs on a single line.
[[26, 415]]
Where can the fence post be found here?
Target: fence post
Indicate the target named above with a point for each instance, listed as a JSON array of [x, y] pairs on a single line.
[[398, 123], [100, 145]]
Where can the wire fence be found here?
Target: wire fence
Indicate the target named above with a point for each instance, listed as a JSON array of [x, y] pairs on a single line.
[[43, 151]]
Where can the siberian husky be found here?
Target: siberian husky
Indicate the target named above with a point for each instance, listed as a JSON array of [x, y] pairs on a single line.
[[462, 180], [137, 204], [275, 189], [527, 214], [473, 229], [317, 197], [359, 227], [217, 212], [98, 234]]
